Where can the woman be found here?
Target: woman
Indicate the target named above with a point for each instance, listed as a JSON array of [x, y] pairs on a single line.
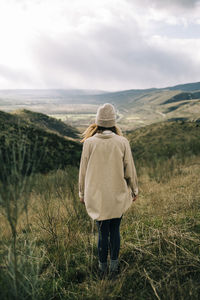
[[107, 182]]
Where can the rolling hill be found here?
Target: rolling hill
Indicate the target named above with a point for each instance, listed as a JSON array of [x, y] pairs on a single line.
[[160, 144], [47, 123], [186, 87], [26, 147]]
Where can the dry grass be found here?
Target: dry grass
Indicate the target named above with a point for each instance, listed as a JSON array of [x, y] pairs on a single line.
[[57, 253]]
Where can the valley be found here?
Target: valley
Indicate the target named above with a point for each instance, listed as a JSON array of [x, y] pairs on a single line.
[[135, 108]]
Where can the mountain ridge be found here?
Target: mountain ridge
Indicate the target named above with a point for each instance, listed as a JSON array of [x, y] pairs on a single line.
[[135, 107], [91, 92]]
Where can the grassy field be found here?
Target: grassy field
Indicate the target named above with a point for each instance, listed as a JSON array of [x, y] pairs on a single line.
[[54, 254]]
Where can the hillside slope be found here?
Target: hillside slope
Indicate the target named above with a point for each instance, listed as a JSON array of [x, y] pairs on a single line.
[[47, 123], [157, 106], [156, 144], [27, 147]]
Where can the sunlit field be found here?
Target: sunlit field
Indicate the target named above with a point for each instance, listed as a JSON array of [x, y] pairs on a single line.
[[77, 119]]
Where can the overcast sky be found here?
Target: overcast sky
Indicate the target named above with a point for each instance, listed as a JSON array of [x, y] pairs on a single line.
[[99, 44]]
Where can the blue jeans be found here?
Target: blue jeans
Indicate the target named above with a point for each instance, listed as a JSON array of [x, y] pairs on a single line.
[[109, 238]]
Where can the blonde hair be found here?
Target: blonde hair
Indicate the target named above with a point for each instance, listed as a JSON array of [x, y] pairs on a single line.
[[94, 128]]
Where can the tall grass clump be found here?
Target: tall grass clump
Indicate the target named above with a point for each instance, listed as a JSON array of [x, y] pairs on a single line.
[[30, 260], [15, 188], [64, 222], [57, 247], [19, 161]]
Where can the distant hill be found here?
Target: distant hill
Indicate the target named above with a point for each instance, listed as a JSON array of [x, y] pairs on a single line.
[[141, 108], [47, 123], [24, 146], [45, 96], [183, 96], [135, 93], [135, 107], [186, 87], [29, 97]]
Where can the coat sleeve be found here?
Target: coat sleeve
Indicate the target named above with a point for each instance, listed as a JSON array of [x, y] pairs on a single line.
[[82, 169], [129, 170]]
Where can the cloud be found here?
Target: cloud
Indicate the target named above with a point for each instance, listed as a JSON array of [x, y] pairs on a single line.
[[167, 3], [115, 57], [13, 78], [171, 12], [177, 3], [115, 44]]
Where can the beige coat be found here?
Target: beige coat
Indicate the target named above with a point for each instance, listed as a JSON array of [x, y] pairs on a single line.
[[107, 176]]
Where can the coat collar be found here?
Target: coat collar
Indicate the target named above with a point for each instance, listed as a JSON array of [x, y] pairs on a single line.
[[106, 134]]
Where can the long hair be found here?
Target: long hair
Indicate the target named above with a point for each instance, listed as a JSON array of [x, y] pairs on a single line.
[[94, 128]]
